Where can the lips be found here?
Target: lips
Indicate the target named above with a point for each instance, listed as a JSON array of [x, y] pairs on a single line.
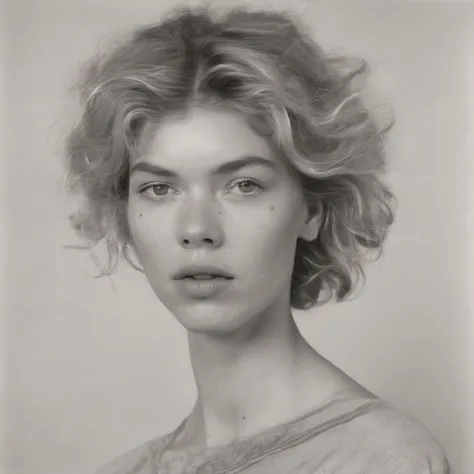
[[202, 272], [196, 288], [204, 277]]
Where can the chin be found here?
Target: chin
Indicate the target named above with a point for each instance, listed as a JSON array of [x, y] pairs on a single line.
[[209, 329], [212, 321]]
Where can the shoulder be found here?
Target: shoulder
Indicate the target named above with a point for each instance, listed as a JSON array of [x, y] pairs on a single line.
[[137, 460], [398, 443]]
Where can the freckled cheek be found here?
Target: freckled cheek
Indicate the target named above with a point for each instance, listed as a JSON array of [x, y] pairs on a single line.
[[274, 238], [279, 220], [145, 231]]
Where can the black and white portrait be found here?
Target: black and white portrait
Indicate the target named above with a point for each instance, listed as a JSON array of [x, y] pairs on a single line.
[[237, 237]]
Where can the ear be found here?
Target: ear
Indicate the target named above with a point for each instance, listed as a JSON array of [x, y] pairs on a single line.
[[310, 227]]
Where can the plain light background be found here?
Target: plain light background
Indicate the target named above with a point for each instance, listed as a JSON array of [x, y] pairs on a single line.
[[94, 367]]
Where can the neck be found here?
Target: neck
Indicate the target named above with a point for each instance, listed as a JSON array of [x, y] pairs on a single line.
[[250, 380]]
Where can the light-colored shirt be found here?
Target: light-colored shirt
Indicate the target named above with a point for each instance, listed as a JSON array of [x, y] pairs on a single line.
[[353, 434]]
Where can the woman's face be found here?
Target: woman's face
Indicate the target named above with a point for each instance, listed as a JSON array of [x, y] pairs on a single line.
[[190, 203]]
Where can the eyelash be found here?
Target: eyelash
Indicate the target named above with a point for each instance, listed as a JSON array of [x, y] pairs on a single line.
[[143, 189]]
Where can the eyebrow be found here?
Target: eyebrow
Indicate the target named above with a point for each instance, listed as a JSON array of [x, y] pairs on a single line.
[[225, 168]]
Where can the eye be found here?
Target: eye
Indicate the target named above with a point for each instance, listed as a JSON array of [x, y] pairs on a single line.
[[160, 190], [155, 190], [247, 186]]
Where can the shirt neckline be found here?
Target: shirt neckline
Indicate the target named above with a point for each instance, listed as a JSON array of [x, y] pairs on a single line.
[[248, 450]]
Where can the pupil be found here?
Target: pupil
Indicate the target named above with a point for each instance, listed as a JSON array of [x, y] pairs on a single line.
[[246, 184]]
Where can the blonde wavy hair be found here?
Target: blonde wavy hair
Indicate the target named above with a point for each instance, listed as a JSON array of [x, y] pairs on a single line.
[[265, 65]]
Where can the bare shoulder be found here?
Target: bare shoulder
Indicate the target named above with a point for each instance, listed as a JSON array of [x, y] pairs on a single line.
[[138, 460]]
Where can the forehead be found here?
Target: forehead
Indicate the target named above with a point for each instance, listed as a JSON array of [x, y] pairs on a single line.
[[207, 136]]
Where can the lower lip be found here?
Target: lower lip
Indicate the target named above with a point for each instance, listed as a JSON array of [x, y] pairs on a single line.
[[204, 288]]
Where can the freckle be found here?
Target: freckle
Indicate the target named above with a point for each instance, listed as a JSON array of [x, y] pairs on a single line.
[[272, 208], [141, 215], [244, 417]]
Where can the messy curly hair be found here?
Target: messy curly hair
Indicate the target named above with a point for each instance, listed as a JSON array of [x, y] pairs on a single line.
[[265, 65]]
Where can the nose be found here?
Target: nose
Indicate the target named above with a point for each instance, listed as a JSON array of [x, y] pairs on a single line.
[[199, 224]]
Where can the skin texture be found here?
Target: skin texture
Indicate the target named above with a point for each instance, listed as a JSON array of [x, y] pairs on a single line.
[[244, 343]]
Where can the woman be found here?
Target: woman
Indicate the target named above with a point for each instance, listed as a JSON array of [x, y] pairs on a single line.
[[232, 158]]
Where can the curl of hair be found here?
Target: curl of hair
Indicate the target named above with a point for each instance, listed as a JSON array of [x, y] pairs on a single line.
[[265, 65]]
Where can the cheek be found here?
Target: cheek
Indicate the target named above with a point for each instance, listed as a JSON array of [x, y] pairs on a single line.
[[144, 231], [279, 223], [274, 239], [136, 224]]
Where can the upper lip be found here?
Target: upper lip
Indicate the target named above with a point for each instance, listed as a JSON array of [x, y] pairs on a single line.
[[201, 269]]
